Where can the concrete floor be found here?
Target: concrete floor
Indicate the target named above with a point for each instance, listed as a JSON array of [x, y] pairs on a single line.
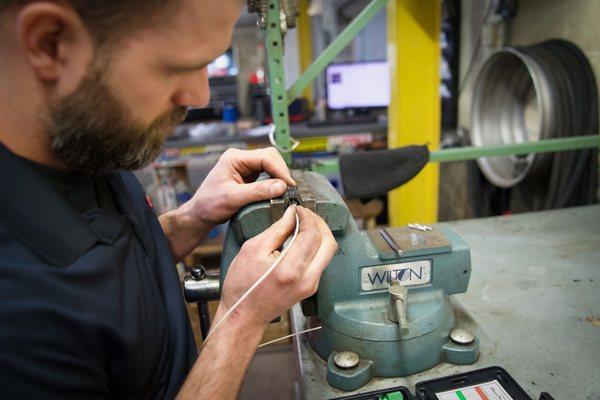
[[271, 374]]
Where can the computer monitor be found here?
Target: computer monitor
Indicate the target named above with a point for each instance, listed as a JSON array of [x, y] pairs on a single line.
[[358, 85]]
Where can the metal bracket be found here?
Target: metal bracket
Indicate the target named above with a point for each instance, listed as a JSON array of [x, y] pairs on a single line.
[[273, 39]]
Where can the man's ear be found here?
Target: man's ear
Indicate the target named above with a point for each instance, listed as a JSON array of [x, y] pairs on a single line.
[[54, 40]]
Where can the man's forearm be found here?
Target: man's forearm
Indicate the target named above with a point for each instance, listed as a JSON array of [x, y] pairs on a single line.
[[219, 371], [184, 230]]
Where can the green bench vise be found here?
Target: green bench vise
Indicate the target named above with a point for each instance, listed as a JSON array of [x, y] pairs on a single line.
[[383, 300]]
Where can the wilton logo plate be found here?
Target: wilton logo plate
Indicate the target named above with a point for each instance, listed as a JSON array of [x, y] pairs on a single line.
[[409, 274]]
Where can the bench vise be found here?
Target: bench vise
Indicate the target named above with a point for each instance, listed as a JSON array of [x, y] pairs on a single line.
[[383, 300]]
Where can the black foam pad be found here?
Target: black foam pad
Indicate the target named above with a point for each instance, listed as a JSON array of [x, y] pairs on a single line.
[[374, 173]]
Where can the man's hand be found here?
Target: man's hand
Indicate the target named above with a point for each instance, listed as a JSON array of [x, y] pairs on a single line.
[[229, 186], [295, 278], [232, 184], [219, 371]]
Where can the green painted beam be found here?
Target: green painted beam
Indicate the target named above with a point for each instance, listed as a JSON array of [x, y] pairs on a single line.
[[331, 52], [541, 146], [473, 153]]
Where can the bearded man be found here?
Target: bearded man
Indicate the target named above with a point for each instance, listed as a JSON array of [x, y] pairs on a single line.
[[91, 303]]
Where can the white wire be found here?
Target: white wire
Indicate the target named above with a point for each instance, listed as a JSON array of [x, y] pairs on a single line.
[[291, 148], [290, 335], [258, 282]]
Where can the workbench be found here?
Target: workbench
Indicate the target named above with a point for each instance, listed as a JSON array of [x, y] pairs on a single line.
[[298, 131], [533, 301]]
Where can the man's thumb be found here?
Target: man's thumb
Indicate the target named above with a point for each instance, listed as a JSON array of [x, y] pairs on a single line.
[[260, 190], [274, 236]]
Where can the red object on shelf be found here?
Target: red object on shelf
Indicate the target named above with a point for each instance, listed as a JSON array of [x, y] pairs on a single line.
[[253, 79]]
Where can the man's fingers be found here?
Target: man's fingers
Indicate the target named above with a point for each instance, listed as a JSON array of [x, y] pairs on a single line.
[[255, 161], [323, 256], [273, 238], [256, 191], [303, 250]]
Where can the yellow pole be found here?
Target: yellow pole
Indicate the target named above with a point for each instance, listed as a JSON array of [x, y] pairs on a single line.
[[305, 41], [414, 112]]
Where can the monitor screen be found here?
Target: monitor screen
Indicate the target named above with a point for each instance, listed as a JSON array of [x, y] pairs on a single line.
[[358, 85]]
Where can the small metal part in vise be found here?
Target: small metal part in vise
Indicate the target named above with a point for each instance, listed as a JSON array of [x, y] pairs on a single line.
[[292, 196], [300, 195]]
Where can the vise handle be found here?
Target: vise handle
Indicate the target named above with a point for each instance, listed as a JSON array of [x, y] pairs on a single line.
[[397, 310]]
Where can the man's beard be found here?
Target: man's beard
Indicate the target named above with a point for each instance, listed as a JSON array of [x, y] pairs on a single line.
[[91, 134]]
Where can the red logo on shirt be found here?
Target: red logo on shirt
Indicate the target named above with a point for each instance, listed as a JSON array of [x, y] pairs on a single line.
[[149, 202]]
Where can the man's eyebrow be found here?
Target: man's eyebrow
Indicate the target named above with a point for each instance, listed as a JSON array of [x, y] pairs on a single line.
[[181, 69]]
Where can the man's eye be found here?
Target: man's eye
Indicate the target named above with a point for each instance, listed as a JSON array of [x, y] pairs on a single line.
[[182, 70]]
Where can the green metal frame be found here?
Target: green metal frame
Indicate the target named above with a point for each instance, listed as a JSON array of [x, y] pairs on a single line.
[[541, 146], [279, 107], [280, 98], [473, 153], [274, 44]]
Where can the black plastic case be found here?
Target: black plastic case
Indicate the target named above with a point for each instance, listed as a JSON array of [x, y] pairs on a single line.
[[427, 390]]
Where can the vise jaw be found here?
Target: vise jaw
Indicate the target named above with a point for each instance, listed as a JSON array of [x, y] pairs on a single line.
[[383, 297]]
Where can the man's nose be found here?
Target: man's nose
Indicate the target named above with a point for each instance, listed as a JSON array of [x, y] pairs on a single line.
[[194, 91]]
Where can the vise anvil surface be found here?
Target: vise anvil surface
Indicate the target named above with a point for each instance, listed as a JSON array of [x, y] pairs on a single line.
[[353, 303]]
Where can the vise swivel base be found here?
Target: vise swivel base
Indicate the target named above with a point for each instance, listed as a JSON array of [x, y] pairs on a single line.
[[383, 300]]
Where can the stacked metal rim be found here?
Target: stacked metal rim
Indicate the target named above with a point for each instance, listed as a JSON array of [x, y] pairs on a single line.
[[542, 91]]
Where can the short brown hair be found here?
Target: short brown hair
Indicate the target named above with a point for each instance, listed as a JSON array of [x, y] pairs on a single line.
[[110, 20]]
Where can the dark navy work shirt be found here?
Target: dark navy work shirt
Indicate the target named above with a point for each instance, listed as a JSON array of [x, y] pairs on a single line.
[[90, 303]]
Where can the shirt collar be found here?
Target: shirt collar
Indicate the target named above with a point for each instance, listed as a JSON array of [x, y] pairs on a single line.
[[38, 216]]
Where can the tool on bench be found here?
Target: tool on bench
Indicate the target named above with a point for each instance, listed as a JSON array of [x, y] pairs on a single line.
[[383, 303], [383, 298]]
